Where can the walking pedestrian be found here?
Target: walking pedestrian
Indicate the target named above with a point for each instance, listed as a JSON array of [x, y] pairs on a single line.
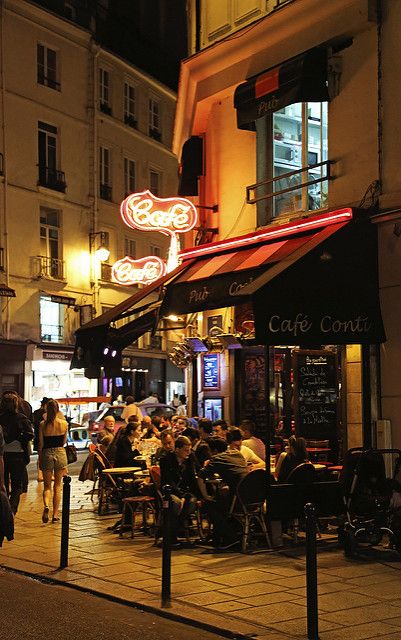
[[18, 432], [52, 457]]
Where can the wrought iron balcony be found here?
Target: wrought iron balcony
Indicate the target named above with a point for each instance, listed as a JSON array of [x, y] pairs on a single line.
[[52, 178], [105, 108], [105, 192], [155, 134], [130, 121], [52, 333], [48, 82], [51, 268]]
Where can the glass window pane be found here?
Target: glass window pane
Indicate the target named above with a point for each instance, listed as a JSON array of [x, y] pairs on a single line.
[[287, 157]]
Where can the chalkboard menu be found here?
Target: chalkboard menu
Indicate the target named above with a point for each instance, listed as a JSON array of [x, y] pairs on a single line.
[[211, 371], [316, 395], [251, 389]]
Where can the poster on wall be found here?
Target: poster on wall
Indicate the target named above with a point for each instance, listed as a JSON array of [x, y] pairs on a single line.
[[214, 325], [252, 389], [211, 371]]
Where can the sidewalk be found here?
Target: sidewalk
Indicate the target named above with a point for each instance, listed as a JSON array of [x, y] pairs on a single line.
[[259, 595]]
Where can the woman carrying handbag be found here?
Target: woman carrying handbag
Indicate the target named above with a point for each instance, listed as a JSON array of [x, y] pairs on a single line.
[[52, 457]]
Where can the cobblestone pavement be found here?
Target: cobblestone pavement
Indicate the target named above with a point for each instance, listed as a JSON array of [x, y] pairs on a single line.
[[260, 594]]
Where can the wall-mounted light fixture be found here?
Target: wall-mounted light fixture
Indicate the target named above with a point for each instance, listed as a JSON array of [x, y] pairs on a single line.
[[102, 252]]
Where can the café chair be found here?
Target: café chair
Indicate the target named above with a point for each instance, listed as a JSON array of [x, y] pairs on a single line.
[[131, 505], [247, 506]]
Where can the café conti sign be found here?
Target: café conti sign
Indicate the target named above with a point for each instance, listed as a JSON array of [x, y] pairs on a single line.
[[145, 212], [128, 271]]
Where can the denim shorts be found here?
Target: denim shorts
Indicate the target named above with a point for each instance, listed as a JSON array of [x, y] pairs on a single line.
[[54, 459]]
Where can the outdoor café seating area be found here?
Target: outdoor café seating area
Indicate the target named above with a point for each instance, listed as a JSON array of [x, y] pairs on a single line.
[[254, 512]]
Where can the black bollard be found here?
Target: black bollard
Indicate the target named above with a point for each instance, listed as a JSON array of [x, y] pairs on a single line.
[[65, 522], [311, 573], [166, 558]]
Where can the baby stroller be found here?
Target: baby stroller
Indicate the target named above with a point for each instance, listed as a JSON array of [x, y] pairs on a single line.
[[372, 500]]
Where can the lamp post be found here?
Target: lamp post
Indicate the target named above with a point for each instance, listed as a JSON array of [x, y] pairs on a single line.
[[99, 253]]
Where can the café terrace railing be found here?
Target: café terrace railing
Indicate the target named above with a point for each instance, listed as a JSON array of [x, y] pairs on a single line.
[[252, 198]]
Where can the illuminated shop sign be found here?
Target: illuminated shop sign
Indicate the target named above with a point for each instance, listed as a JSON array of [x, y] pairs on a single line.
[[145, 212], [128, 271]]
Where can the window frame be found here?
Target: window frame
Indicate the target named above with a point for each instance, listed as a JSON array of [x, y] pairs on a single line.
[[157, 173], [105, 177], [155, 118], [129, 163], [43, 69], [105, 90], [130, 243], [61, 319], [130, 103]]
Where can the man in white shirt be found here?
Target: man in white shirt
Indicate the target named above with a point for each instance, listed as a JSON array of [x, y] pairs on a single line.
[[234, 440], [257, 445], [131, 409]]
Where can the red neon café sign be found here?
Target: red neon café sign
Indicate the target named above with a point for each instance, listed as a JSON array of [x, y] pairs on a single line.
[[145, 212]]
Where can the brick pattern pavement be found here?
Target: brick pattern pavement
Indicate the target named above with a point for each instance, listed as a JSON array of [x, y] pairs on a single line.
[[262, 594]]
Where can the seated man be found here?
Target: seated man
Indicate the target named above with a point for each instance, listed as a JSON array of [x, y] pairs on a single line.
[[257, 445], [106, 435], [177, 469], [234, 439], [231, 466], [167, 445], [220, 428]]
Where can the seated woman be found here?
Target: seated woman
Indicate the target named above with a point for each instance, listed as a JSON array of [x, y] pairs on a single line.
[[295, 455], [127, 446]]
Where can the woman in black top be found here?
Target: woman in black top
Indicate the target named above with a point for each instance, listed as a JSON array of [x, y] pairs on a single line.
[[127, 446], [295, 455]]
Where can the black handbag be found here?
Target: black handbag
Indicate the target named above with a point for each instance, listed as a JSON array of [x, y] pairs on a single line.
[[71, 452]]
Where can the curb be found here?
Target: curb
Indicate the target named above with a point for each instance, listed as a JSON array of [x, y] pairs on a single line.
[[163, 613]]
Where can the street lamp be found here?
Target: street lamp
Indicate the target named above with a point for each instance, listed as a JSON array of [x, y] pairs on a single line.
[[102, 252]]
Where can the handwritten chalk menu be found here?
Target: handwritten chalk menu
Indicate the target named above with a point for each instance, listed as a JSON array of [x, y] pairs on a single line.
[[211, 371], [316, 395]]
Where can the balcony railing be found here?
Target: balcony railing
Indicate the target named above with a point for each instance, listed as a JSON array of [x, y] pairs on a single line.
[[130, 121], [281, 3], [52, 179], [52, 333], [51, 268], [324, 167], [48, 82], [155, 134], [105, 192], [105, 108]]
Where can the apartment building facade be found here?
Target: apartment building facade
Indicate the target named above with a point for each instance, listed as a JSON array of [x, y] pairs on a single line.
[[295, 103], [80, 129]]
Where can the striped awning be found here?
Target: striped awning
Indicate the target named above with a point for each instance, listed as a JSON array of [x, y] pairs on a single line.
[[216, 281]]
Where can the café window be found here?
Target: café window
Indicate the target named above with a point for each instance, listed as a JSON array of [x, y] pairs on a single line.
[[298, 139], [47, 72]]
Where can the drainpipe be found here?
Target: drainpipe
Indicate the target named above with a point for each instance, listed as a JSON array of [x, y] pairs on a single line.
[[5, 181], [94, 280]]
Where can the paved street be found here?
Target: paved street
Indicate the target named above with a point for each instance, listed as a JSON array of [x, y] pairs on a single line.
[[261, 594], [36, 610]]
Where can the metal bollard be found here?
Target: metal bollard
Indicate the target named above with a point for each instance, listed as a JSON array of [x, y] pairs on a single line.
[[311, 573], [65, 522], [166, 557]]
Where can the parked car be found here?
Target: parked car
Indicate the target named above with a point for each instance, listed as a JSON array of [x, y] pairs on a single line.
[[79, 435]]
